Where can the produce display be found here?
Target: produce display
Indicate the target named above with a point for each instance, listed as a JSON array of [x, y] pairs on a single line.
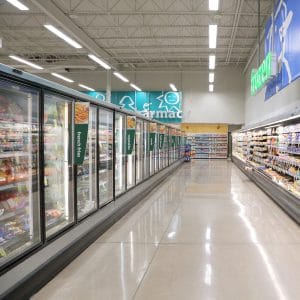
[[210, 145], [274, 151], [18, 172]]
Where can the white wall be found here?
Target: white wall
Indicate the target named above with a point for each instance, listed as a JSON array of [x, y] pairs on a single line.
[[225, 105], [257, 109]]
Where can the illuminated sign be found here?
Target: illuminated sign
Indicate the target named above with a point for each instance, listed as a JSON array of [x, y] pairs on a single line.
[[266, 71]]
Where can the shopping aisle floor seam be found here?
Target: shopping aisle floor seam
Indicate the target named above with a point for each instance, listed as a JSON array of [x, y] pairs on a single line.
[[156, 251]]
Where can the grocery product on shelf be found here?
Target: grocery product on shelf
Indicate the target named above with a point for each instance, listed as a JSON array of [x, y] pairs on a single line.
[[274, 151], [19, 197], [210, 145]]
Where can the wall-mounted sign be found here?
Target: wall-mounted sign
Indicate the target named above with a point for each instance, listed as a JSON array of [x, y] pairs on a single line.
[[81, 130], [130, 133], [282, 38], [266, 71], [165, 107]]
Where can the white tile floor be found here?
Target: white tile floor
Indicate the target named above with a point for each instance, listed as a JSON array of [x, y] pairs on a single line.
[[205, 233]]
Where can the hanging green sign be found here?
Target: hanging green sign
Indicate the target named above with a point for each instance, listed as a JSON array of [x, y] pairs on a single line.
[[161, 136], [152, 136], [130, 133], [265, 72], [173, 140], [81, 131]]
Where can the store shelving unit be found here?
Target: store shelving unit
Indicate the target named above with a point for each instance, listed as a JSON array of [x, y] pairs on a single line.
[[272, 160], [209, 145]]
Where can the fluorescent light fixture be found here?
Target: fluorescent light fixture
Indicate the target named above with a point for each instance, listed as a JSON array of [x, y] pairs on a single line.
[[213, 31], [26, 62], [62, 77], [99, 61], [211, 77], [135, 87], [18, 4], [63, 36], [120, 76], [86, 87], [211, 88], [213, 5], [212, 62], [173, 87]]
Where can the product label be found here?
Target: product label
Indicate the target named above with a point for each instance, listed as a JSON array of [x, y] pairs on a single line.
[[81, 130], [130, 134]]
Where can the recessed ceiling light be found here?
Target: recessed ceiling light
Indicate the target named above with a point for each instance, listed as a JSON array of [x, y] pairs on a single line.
[[24, 61], [62, 77], [120, 76], [63, 36], [212, 34], [173, 87], [212, 62], [135, 87], [213, 5], [211, 77], [99, 61], [86, 87], [211, 88], [18, 4]]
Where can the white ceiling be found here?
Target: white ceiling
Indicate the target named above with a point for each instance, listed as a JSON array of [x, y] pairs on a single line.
[[131, 34]]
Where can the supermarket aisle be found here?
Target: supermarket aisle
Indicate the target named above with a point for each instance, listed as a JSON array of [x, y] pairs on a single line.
[[205, 233]]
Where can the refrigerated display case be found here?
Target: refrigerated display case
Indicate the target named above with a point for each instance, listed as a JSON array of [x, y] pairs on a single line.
[[19, 170], [120, 166], [58, 168], [106, 176], [87, 172], [269, 155], [43, 190], [139, 150]]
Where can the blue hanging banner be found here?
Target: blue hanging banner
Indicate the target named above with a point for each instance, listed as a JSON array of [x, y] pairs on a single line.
[[281, 37]]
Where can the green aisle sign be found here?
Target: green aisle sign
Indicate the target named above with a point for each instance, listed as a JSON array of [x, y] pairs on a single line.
[[161, 137], [173, 140], [266, 71], [152, 136], [130, 134], [81, 131]]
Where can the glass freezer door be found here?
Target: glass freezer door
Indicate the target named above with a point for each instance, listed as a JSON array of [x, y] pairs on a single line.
[[58, 170], [87, 172], [120, 168], [139, 150], [146, 151], [19, 172], [106, 178]]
